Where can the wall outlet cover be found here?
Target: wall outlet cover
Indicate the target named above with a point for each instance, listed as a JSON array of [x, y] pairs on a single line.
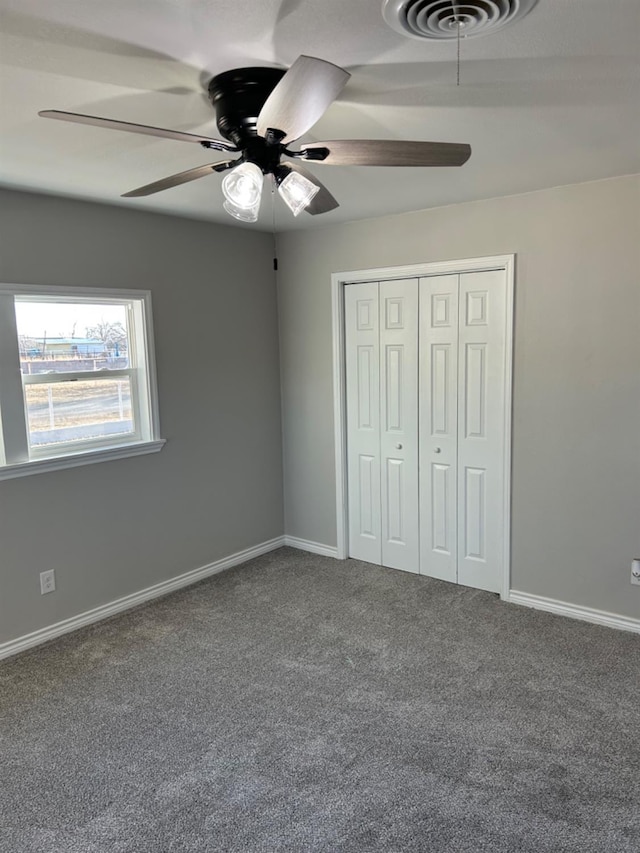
[[47, 582]]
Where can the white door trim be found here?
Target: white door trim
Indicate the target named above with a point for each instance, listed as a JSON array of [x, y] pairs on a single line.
[[338, 281]]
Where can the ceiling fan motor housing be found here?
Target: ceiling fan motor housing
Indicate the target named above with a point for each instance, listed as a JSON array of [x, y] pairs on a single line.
[[238, 96]]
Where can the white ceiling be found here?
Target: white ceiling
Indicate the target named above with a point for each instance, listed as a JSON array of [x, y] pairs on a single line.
[[552, 99]]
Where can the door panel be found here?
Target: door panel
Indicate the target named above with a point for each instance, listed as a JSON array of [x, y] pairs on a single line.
[[438, 425], [393, 397], [368, 498], [482, 336], [399, 432], [442, 485], [475, 514], [363, 420], [366, 357], [475, 373], [442, 402], [393, 523]]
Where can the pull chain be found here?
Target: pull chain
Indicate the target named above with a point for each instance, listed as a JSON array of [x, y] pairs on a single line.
[[458, 52], [273, 223], [458, 25]]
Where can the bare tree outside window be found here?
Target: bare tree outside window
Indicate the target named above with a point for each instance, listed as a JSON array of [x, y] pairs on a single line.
[[112, 333]]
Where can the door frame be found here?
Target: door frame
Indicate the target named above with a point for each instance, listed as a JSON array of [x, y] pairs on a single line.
[[338, 282]]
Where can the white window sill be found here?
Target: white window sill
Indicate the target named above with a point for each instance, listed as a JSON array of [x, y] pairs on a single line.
[[88, 457]]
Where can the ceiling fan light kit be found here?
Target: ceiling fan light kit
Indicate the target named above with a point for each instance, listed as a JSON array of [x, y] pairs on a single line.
[[244, 214], [297, 191], [452, 19], [242, 189], [259, 113]]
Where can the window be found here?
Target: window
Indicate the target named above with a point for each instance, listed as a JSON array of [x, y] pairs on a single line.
[[77, 379]]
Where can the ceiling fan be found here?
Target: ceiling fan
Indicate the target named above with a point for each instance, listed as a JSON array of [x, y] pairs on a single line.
[[260, 112]]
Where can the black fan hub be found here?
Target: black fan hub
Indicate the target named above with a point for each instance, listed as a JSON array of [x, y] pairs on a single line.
[[258, 151], [238, 96]]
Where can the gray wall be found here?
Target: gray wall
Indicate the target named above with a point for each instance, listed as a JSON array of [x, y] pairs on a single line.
[[117, 527], [576, 425], [216, 488]]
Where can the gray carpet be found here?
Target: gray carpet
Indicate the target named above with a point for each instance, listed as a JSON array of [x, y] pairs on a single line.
[[304, 704]]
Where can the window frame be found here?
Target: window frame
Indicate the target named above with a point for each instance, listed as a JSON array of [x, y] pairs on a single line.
[[17, 457]]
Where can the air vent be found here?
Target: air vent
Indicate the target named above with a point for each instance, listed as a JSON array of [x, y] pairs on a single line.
[[442, 19]]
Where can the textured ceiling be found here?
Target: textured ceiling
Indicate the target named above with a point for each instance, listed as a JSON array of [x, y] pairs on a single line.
[[552, 99]]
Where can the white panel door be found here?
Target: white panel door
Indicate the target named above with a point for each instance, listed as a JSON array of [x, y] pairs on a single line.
[[481, 428], [426, 420], [439, 426], [399, 423], [362, 342]]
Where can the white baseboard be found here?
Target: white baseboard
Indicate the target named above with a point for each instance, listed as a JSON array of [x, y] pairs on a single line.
[[312, 547], [575, 611], [20, 644]]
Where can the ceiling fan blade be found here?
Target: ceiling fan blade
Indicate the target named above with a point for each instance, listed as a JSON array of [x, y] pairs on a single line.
[[388, 152], [161, 132], [180, 178], [301, 97], [323, 201]]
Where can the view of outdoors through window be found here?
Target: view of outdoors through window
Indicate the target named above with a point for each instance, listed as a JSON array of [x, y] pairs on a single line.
[[64, 339]]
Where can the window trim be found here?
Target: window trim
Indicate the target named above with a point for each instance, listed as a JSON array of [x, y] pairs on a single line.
[[84, 457], [142, 377]]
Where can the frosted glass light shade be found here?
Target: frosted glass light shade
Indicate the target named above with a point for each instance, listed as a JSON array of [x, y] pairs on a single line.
[[245, 214], [242, 188], [297, 191]]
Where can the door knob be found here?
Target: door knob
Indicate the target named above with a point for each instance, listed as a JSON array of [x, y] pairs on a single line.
[[436, 450], [398, 447]]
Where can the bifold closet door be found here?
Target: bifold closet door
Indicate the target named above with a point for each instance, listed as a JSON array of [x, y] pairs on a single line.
[[362, 344], [462, 427], [439, 426], [381, 335], [399, 424], [481, 428]]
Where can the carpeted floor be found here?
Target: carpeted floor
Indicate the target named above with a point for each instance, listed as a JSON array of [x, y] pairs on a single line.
[[304, 704]]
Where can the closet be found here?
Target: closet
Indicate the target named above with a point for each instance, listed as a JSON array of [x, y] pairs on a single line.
[[425, 362]]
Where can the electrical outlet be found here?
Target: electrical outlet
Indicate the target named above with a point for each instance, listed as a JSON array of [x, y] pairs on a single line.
[[47, 582], [635, 572]]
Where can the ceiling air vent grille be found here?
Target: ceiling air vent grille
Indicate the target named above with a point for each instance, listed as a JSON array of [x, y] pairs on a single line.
[[442, 19]]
